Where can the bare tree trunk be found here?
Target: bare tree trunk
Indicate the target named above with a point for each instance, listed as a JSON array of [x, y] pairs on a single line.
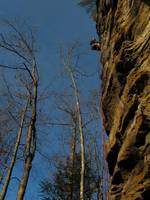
[[80, 121], [82, 163], [5, 167], [14, 156], [30, 140], [72, 160], [100, 178], [24, 181]]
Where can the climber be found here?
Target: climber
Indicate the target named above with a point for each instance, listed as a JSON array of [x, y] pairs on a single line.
[[95, 45]]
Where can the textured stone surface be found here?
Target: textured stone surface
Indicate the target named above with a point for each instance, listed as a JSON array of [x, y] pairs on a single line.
[[124, 30]]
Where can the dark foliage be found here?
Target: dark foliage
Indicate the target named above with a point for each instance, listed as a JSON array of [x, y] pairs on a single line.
[[59, 187], [90, 6]]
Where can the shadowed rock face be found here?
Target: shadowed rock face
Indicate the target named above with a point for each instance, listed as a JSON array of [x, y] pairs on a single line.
[[124, 29]]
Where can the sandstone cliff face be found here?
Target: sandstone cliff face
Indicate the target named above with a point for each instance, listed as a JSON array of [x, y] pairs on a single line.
[[124, 30]]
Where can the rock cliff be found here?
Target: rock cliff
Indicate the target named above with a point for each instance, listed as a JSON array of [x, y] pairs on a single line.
[[124, 30]]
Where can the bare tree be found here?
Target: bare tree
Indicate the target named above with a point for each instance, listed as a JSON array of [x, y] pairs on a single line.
[[21, 45], [71, 103], [14, 156], [73, 115], [67, 62], [7, 131]]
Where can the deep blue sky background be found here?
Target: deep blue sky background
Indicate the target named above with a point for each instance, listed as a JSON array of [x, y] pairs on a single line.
[[57, 23]]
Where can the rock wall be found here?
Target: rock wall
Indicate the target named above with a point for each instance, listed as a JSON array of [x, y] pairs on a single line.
[[124, 30]]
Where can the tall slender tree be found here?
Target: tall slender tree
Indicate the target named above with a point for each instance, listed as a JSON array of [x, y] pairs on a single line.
[[20, 44], [68, 102], [67, 62], [14, 156]]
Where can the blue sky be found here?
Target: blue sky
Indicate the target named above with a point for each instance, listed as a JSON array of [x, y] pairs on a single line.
[[57, 23]]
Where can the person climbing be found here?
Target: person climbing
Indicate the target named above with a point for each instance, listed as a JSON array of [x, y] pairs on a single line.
[[95, 45]]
